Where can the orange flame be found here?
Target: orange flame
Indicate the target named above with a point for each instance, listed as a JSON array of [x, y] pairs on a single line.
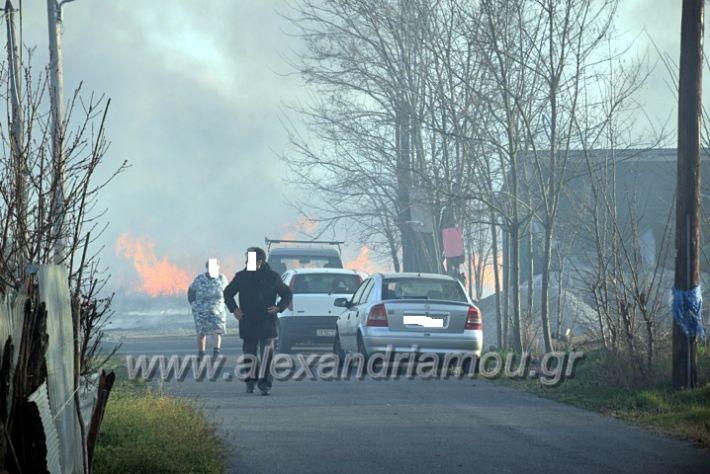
[[157, 276], [488, 273], [363, 263]]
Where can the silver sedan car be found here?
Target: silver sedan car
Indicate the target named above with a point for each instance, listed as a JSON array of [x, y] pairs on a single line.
[[425, 311]]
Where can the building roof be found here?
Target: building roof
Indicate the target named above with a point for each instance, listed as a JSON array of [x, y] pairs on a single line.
[[621, 155]]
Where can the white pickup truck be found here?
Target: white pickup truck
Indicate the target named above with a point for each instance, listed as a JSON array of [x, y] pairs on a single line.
[[312, 315]]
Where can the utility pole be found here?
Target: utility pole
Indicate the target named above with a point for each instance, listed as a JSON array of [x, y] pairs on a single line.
[[687, 299], [56, 94], [17, 130]]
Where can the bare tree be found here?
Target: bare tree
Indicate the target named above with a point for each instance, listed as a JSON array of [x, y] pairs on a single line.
[[566, 51], [28, 211], [467, 107], [364, 61], [505, 36], [27, 194], [624, 274]]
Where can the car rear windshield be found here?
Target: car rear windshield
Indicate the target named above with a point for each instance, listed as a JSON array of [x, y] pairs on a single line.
[[312, 283], [422, 288], [282, 263]]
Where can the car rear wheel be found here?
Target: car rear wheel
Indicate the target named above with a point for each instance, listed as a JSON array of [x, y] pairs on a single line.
[[377, 362]]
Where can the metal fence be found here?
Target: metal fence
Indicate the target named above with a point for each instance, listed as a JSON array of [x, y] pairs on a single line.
[[61, 406]]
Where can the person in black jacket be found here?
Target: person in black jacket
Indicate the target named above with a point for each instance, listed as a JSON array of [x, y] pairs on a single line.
[[257, 311]]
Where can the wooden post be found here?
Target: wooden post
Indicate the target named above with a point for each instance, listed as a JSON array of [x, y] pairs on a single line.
[[105, 385], [56, 95], [687, 271], [16, 132]]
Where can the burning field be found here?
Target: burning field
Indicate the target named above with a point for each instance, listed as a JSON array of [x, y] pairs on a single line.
[[157, 276], [155, 298], [155, 301]]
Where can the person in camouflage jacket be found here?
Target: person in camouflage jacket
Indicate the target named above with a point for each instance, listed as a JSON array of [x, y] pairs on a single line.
[[206, 299]]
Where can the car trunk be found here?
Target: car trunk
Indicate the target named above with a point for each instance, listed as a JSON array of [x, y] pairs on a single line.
[[426, 316], [317, 304]]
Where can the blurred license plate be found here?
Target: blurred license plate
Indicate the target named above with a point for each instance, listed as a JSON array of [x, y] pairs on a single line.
[[424, 321], [325, 332]]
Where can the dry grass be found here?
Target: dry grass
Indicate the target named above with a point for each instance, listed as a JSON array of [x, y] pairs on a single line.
[[147, 432]]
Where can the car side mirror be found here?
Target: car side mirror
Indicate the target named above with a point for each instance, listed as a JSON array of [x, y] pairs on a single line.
[[342, 303]]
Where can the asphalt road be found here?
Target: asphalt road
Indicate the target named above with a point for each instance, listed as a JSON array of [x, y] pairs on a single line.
[[415, 425]]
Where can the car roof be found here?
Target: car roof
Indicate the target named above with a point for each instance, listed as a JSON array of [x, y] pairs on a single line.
[[303, 252], [414, 275], [341, 271]]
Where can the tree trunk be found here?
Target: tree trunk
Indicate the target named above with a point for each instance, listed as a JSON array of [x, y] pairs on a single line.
[[545, 291], [404, 186], [515, 285], [506, 290], [531, 272], [469, 263], [496, 276]]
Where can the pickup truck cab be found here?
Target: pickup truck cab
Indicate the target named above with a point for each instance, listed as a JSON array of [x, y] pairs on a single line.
[[312, 315], [303, 254], [282, 259]]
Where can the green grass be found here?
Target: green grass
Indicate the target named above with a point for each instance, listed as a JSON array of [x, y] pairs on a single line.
[[684, 414], [149, 432]]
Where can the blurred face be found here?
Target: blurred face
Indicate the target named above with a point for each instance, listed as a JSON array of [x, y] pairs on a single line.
[[213, 267], [252, 263]]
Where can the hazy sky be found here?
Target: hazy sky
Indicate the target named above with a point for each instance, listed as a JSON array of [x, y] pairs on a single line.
[[197, 89]]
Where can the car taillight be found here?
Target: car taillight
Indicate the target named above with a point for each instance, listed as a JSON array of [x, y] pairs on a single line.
[[292, 286], [473, 319], [377, 316]]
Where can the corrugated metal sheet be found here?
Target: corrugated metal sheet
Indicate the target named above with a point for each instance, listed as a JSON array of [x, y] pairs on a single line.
[[6, 330], [39, 397], [6, 321], [54, 292], [18, 323], [11, 313]]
